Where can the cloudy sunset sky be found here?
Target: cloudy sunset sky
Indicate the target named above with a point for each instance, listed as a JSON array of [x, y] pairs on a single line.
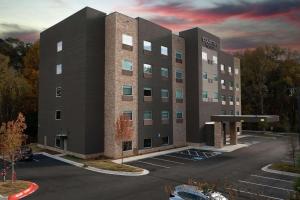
[[241, 24]]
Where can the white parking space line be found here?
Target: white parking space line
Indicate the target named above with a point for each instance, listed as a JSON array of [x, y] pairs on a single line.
[[205, 154], [263, 185], [171, 161], [153, 164], [270, 178], [260, 195], [179, 157]]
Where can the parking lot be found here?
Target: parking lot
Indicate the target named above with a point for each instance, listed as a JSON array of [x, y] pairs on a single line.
[[264, 185], [174, 159]]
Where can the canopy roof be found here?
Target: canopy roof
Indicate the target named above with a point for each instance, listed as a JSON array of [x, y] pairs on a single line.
[[245, 118]]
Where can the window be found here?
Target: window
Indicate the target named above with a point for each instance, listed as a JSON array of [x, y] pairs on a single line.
[[58, 114], [216, 96], [229, 70], [59, 69], [164, 72], [127, 145], [231, 85], [237, 86], [204, 75], [147, 92], [147, 46], [223, 84], [165, 140], [127, 90], [190, 196], [222, 67], [236, 71], [178, 57], [179, 94], [215, 60], [215, 77], [57, 142], [223, 112], [179, 74], [58, 92], [59, 46], [127, 40], [204, 94], [147, 115], [164, 50], [204, 55], [223, 99], [231, 112], [164, 115], [179, 115], [128, 115], [164, 93], [127, 65], [238, 113], [230, 98], [147, 69], [147, 143]]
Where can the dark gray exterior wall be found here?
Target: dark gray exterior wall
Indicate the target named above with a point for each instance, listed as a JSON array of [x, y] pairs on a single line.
[[158, 36], [197, 111], [192, 84], [82, 82]]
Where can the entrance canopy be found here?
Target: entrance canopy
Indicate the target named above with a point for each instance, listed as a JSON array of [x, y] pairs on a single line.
[[245, 118]]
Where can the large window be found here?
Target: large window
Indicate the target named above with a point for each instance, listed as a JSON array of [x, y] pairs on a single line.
[[230, 85], [204, 55], [204, 75], [127, 90], [164, 72], [58, 92], [127, 65], [147, 143], [147, 46], [128, 115], [179, 94], [147, 92], [59, 69], [179, 74], [164, 50], [223, 84], [59, 46], [58, 114], [236, 71], [127, 40], [127, 145], [215, 60], [178, 56], [215, 96], [222, 67], [179, 115], [205, 95], [147, 115], [164, 93], [147, 69], [164, 115], [215, 77], [229, 70]]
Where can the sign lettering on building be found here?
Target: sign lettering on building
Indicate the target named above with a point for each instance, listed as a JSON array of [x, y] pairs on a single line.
[[209, 43]]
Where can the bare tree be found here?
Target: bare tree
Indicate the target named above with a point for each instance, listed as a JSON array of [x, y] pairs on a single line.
[[12, 134], [124, 131]]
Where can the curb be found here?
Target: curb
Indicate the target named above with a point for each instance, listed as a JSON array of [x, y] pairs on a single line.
[[94, 169], [31, 189], [267, 169]]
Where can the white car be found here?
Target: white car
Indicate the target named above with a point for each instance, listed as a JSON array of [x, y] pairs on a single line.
[[188, 192]]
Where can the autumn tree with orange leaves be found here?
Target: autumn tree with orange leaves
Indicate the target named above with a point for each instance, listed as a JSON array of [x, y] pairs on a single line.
[[12, 137], [124, 131]]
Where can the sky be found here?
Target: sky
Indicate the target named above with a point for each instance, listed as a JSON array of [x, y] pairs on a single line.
[[241, 24]]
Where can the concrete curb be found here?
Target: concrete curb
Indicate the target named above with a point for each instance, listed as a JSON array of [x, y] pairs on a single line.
[[94, 169], [267, 169]]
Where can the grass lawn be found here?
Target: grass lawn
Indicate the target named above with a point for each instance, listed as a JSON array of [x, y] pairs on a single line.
[[7, 188], [105, 164], [36, 149], [286, 167]]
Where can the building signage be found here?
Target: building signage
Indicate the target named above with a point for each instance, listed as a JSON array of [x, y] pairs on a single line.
[[209, 43]]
